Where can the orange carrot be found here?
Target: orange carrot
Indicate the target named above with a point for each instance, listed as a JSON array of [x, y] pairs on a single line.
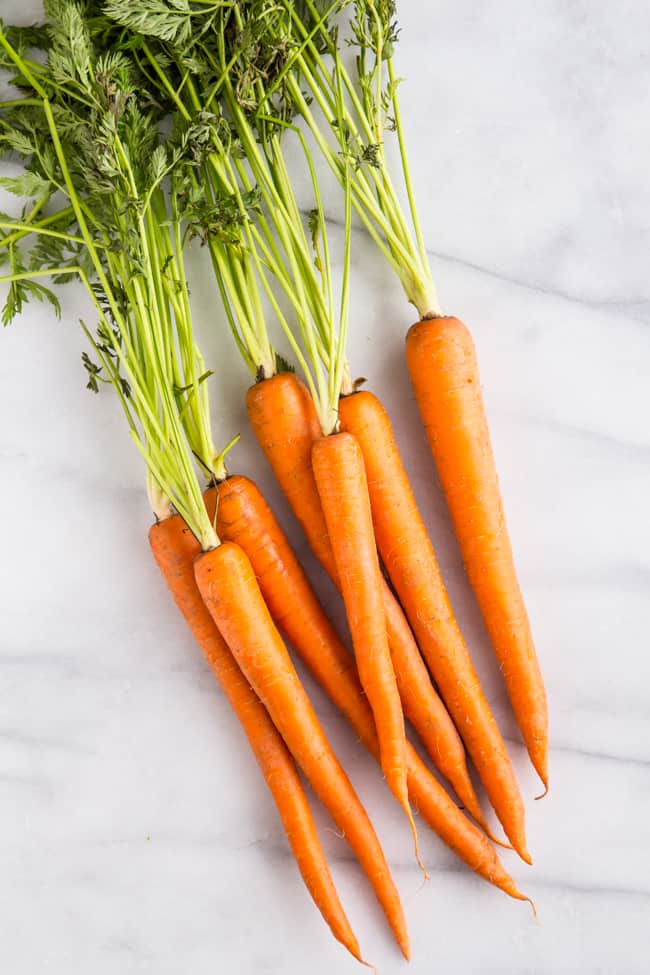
[[414, 571], [230, 591], [343, 490], [175, 549], [284, 420], [245, 518], [442, 364]]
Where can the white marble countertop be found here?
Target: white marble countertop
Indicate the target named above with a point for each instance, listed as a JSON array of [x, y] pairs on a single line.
[[135, 832]]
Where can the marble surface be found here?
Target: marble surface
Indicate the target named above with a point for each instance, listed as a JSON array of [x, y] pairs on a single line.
[[135, 833]]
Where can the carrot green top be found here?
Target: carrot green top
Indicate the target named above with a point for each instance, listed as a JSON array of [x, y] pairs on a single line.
[[258, 237], [370, 109], [88, 140], [285, 58]]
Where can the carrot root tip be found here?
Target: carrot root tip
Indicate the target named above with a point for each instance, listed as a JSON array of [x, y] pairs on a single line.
[[497, 842], [490, 835], [416, 842], [368, 964], [425, 872], [522, 852], [543, 794], [532, 904], [523, 897]]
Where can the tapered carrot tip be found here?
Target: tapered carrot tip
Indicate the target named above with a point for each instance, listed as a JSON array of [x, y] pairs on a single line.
[[519, 846], [495, 839], [540, 764], [355, 951], [407, 809], [482, 822], [352, 945], [400, 932], [368, 964], [402, 797], [522, 897], [524, 854], [518, 896], [543, 794]]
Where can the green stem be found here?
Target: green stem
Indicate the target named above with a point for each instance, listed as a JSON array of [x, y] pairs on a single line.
[[415, 219], [25, 229], [382, 208]]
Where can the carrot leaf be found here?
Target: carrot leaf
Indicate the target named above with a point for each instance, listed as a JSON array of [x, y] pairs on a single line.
[[88, 132]]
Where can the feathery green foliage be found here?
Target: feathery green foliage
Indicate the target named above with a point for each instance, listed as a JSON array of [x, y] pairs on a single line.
[[223, 68], [306, 76], [88, 135]]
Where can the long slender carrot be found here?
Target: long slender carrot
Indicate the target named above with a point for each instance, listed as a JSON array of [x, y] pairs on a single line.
[[444, 372], [244, 517], [227, 582], [175, 549], [284, 421], [411, 563], [340, 477]]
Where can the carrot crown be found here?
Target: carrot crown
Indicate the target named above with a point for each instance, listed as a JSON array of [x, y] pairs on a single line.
[[84, 134]]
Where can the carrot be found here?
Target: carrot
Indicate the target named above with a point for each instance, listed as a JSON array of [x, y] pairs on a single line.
[[284, 420], [230, 591], [175, 549], [444, 372], [244, 517], [414, 571], [343, 489]]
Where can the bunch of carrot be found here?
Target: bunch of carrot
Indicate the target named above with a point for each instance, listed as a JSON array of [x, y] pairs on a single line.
[[87, 125]]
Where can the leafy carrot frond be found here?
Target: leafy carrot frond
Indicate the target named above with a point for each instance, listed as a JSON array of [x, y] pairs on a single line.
[[89, 133], [237, 66], [357, 107], [167, 20]]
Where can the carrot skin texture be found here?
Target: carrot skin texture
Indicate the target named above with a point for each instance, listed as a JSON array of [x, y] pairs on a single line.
[[230, 591], [411, 563], [343, 490], [285, 423], [174, 548], [244, 517], [444, 373]]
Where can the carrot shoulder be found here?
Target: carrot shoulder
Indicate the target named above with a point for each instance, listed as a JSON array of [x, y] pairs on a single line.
[[285, 423], [232, 595], [175, 549], [244, 517], [444, 372], [411, 563]]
